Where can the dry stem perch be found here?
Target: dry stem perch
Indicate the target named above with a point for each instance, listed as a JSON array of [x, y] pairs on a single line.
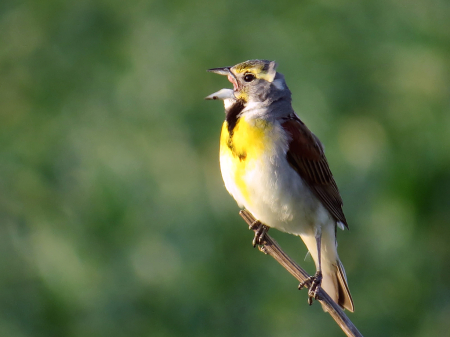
[[271, 248]]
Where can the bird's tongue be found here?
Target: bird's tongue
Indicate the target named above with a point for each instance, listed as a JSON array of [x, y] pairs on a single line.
[[233, 80]]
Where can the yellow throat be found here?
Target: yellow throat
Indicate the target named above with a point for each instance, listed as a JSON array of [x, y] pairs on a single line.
[[241, 149]]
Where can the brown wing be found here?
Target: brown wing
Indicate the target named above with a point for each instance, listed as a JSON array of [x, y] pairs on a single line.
[[307, 157]]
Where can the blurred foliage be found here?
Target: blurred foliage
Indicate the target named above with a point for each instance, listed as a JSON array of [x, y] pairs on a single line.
[[113, 216]]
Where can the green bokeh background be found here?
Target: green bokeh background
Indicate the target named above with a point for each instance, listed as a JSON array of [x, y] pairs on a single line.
[[114, 220]]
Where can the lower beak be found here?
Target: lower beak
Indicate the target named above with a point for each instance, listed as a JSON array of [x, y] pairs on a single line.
[[222, 94]]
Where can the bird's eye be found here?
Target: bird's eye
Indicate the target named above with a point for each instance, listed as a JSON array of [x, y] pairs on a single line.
[[249, 77]]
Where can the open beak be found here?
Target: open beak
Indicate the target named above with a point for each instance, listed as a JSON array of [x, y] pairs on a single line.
[[226, 71], [222, 95]]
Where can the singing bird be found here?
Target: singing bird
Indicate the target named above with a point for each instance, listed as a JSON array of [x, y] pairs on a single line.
[[275, 167]]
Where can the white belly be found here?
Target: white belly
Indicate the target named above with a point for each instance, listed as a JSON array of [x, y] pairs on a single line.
[[279, 197]]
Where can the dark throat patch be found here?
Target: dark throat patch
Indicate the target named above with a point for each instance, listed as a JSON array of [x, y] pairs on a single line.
[[233, 113], [232, 118]]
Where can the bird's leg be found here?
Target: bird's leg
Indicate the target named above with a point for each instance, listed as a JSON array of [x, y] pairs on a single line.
[[260, 231], [315, 281]]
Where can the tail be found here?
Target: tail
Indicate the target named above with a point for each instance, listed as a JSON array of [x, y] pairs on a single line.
[[344, 298], [334, 280]]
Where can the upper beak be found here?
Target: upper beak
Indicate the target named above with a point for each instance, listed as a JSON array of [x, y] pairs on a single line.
[[220, 71], [226, 71]]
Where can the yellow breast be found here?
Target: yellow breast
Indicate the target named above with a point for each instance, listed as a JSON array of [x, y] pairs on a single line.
[[240, 152]]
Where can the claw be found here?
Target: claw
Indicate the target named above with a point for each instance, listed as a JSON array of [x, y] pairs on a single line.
[[255, 224], [260, 232], [313, 282], [306, 283]]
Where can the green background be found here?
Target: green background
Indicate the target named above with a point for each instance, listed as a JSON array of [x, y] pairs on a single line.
[[114, 220]]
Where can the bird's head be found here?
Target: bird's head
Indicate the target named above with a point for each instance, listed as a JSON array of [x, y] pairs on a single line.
[[255, 81]]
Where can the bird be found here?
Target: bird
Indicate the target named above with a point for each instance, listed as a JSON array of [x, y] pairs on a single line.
[[276, 168]]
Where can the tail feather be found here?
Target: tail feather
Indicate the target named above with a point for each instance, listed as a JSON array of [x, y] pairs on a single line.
[[335, 284], [345, 298]]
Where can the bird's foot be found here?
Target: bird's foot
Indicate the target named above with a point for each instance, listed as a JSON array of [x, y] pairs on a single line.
[[260, 232], [313, 282]]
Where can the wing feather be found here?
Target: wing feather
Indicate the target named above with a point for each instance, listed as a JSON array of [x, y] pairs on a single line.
[[307, 157]]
